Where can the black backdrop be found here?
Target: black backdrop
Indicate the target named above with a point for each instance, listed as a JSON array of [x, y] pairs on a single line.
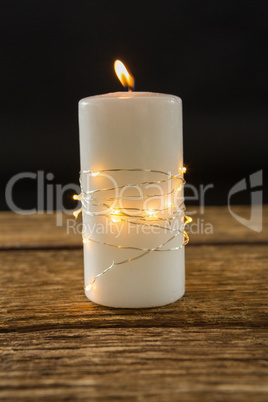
[[210, 53]]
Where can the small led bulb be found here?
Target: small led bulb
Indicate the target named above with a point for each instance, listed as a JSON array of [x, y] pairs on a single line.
[[77, 212], [188, 219], [151, 215]]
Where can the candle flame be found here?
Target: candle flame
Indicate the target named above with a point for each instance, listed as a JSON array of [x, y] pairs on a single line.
[[126, 79]]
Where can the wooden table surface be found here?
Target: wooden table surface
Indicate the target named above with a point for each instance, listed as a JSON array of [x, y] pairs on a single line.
[[211, 345]]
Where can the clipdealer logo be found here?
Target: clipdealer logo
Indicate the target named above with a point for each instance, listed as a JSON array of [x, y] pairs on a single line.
[[256, 197], [51, 195]]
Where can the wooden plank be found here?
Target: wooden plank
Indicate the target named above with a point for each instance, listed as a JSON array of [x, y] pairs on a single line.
[[226, 287], [215, 226], [36, 231], [210, 345], [133, 364]]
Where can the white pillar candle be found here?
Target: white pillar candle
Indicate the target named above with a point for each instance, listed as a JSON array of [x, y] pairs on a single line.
[[131, 130]]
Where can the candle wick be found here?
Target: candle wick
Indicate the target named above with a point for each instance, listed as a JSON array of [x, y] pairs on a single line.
[[131, 88]]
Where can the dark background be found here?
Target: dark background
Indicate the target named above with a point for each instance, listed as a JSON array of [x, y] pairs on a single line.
[[210, 53]]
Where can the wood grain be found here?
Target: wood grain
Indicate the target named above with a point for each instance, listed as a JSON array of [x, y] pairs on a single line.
[[224, 287], [211, 345], [133, 364], [214, 226], [36, 231]]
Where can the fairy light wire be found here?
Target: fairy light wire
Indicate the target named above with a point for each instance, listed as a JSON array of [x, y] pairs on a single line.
[[141, 217]]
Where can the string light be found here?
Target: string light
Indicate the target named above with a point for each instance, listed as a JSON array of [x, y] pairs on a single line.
[[188, 219], [77, 212], [137, 216], [151, 215]]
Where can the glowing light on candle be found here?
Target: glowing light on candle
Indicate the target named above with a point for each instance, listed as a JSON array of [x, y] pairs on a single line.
[[115, 218], [186, 238], [117, 215], [76, 213], [151, 215], [188, 219], [126, 79], [169, 204]]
